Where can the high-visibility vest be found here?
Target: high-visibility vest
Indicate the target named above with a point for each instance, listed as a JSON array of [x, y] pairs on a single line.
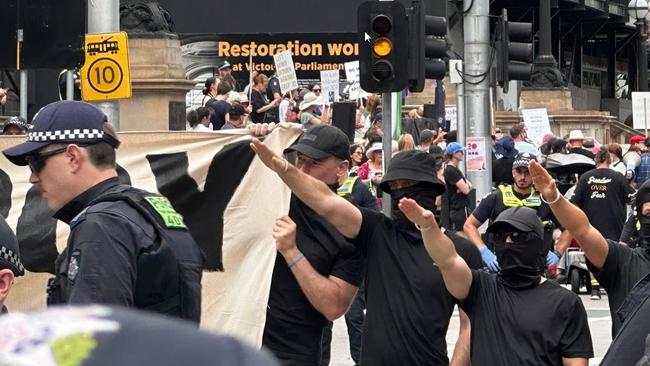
[[510, 200], [346, 188]]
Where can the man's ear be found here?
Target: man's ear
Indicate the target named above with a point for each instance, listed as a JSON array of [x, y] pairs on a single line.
[[6, 281], [76, 155], [343, 168]]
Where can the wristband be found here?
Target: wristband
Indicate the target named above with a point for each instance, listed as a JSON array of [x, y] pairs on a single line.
[[296, 260], [423, 229], [285, 167], [557, 197]]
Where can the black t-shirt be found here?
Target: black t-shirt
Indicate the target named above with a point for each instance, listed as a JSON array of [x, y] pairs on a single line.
[[293, 326], [533, 326], [623, 268], [502, 171], [603, 194], [221, 108], [362, 196], [581, 151], [273, 88], [408, 306], [258, 101], [492, 205], [457, 200]]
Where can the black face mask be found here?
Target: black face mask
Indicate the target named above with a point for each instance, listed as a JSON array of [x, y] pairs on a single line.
[[420, 193], [644, 233], [521, 261]]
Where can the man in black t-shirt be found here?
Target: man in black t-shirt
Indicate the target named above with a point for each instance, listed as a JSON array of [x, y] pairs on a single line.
[[616, 267], [457, 187], [517, 316], [519, 194], [273, 92], [317, 272], [408, 308], [220, 106]]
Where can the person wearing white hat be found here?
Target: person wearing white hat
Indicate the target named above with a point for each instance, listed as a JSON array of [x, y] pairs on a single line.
[[307, 116], [576, 139]]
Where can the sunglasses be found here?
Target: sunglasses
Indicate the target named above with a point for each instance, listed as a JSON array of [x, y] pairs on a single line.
[[36, 161], [316, 90], [515, 236]]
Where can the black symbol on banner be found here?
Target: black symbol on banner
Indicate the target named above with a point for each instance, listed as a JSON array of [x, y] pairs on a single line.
[[105, 46], [203, 211]]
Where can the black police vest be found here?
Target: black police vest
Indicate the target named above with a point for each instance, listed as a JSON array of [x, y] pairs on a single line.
[[176, 254]]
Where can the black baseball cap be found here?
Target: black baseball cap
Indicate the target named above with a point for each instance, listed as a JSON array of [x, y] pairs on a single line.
[[523, 219], [9, 253], [236, 111], [522, 160], [62, 122], [322, 141], [414, 165]]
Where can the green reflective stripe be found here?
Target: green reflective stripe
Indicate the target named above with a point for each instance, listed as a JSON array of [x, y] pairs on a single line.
[[347, 186], [638, 225], [510, 200], [171, 218]]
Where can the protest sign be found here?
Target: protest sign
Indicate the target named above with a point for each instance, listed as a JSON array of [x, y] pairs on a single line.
[[475, 153], [213, 180], [352, 76], [285, 71], [329, 86], [537, 124], [641, 110]]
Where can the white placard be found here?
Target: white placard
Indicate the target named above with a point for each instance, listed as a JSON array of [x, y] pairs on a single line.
[[641, 110], [352, 76], [329, 82], [286, 71], [475, 153], [537, 124], [451, 114]]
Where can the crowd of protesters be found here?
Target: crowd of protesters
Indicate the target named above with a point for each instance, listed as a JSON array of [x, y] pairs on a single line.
[[339, 255]]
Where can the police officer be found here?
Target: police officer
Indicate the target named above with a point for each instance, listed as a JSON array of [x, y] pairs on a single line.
[[521, 193], [120, 237], [10, 264]]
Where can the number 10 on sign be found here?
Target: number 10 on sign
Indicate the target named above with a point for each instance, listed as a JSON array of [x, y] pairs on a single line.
[[105, 74]]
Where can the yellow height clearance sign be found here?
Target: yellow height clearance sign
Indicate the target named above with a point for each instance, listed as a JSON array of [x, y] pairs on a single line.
[[105, 73]]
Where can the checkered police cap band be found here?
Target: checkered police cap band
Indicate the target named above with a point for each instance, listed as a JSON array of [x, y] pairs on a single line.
[[9, 256], [66, 135]]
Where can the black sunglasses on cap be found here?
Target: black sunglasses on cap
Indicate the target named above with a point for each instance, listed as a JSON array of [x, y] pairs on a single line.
[[36, 161]]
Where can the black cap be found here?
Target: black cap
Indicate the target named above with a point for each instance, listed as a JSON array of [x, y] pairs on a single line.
[[523, 219], [236, 111], [322, 141], [225, 65], [9, 253], [62, 122], [414, 165], [16, 121], [522, 160], [102, 336]]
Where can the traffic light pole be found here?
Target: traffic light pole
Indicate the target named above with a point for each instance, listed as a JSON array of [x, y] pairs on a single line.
[[389, 113], [477, 102], [104, 17]]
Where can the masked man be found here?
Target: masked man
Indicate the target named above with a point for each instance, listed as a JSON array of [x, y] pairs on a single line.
[[500, 306], [408, 308]]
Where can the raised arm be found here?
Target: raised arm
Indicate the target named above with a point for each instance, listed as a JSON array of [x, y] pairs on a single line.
[[455, 272], [572, 218], [345, 217]]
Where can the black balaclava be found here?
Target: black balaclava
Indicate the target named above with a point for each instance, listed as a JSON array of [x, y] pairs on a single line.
[[643, 196], [422, 193], [521, 262]]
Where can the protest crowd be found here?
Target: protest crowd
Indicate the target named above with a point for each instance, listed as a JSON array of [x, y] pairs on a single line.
[[504, 262]]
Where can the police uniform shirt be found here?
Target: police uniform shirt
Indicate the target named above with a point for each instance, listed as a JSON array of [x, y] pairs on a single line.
[[533, 326], [408, 305], [493, 204], [623, 268]]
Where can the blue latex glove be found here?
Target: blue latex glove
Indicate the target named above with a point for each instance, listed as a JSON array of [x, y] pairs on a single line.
[[489, 259], [551, 258]]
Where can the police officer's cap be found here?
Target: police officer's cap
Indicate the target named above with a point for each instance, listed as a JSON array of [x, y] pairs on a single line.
[[414, 165], [522, 159], [62, 122], [9, 253], [523, 219]]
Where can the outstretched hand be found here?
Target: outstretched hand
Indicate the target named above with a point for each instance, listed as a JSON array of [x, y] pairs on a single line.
[[416, 213], [544, 183], [268, 157]]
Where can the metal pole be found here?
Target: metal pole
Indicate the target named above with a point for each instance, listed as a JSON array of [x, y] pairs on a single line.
[[104, 17], [69, 85], [23, 81], [389, 113], [460, 120], [477, 90]]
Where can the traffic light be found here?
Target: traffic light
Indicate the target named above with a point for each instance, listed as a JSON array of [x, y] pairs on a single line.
[[383, 52], [426, 53], [514, 51]]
